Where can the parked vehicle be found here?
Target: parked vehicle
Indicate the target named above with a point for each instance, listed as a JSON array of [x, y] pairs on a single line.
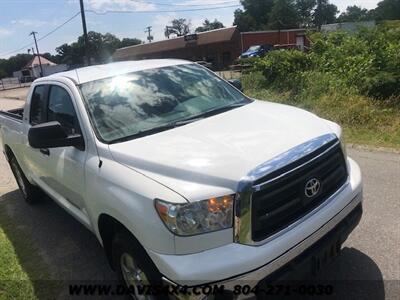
[[257, 51], [205, 64], [183, 179]]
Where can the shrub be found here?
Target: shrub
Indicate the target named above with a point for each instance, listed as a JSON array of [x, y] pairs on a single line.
[[365, 120], [367, 61], [283, 68]]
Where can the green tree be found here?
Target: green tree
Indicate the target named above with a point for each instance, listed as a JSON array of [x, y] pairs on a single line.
[[51, 57], [126, 42], [355, 14], [283, 15], [388, 10], [207, 25], [3, 73], [178, 27], [275, 14], [305, 10], [244, 21], [254, 15], [14, 63], [100, 48], [70, 54], [325, 13]]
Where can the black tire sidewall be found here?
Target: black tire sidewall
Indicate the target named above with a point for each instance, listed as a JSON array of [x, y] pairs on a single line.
[[125, 243], [31, 191]]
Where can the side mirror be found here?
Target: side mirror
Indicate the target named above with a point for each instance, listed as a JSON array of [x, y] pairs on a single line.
[[52, 135], [236, 83]]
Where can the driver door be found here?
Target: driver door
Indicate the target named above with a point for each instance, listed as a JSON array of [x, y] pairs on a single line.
[[63, 167]]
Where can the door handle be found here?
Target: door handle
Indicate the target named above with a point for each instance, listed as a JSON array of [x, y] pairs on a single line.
[[45, 151]]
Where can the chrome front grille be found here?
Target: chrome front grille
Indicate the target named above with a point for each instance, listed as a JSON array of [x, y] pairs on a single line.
[[271, 197], [283, 200]]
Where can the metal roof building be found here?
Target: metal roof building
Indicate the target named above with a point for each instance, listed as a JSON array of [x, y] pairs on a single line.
[[220, 47]]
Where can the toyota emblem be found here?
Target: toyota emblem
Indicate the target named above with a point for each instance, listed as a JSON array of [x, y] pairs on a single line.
[[312, 187]]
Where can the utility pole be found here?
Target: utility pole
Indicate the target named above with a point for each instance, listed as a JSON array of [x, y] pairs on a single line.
[[37, 51], [149, 36], [85, 36], [166, 31], [319, 14]]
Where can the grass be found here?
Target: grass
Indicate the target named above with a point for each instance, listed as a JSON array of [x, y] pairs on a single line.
[[364, 120], [23, 274]]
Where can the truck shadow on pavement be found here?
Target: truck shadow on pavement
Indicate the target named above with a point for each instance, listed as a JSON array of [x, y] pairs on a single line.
[[73, 254]]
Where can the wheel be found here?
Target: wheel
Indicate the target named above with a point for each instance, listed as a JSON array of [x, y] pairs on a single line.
[[29, 192], [134, 267]]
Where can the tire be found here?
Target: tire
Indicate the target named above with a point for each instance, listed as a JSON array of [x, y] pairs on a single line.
[[29, 192], [126, 247]]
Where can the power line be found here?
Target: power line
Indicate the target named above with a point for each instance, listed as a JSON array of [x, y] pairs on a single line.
[[85, 35], [148, 31], [59, 26], [38, 53], [155, 11], [184, 5], [17, 50], [113, 12], [43, 37]]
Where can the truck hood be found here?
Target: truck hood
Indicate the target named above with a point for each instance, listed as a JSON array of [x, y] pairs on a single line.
[[208, 157]]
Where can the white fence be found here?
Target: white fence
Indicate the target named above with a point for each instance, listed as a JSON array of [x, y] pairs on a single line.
[[12, 83]]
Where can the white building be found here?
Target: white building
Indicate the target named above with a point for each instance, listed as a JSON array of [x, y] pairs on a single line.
[[32, 68], [348, 26]]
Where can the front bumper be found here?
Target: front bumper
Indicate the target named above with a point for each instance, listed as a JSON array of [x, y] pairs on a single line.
[[234, 262], [340, 227]]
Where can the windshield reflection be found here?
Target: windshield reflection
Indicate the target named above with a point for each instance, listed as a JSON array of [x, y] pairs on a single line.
[[134, 103]]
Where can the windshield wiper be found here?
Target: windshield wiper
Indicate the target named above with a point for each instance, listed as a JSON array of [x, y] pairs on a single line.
[[218, 110], [155, 130], [177, 123]]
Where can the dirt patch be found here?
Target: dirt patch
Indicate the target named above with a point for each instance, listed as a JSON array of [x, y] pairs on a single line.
[[16, 94]]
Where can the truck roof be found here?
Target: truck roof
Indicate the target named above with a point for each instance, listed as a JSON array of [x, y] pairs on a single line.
[[91, 73]]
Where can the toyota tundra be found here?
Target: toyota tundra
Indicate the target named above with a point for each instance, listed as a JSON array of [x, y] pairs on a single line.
[[183, 179]]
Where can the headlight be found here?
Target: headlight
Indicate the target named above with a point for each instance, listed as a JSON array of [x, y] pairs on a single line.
[[197, 217]]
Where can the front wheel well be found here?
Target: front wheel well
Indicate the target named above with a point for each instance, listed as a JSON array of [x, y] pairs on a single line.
[[109, 226]]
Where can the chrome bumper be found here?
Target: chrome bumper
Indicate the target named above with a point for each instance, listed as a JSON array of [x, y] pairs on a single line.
[[257, 275], [253, 277]]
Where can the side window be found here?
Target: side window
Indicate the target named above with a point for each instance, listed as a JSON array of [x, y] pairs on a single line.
[[38, 105], [61, 109]]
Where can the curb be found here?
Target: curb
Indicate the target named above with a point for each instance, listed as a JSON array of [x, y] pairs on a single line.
[[12, 98], [373, 148]]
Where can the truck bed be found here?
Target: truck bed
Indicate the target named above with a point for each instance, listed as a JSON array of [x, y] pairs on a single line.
[[13, 113]]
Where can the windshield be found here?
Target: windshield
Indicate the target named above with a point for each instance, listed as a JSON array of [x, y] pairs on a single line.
[[254, 48], [129, 105]]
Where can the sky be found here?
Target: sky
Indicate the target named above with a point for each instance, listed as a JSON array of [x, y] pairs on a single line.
[[19, 17]]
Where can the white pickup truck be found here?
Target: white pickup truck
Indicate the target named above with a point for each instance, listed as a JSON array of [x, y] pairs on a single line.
[[183, 179]]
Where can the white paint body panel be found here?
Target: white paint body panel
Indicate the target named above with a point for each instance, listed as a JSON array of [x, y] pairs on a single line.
[[234, 259], [188, 163], [207, 158]]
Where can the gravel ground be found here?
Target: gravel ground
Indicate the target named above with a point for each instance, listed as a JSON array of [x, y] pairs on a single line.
[[369, 267], [18, 94]]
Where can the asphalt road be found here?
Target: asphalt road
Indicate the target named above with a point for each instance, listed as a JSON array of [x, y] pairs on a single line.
[[368, 268]]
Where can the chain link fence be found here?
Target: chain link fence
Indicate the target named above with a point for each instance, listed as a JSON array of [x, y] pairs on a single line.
[[12, 83]]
